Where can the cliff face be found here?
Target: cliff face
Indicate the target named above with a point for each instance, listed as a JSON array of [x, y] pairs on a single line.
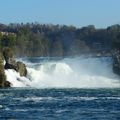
[[11, 63], [3, 81], [116, 62]]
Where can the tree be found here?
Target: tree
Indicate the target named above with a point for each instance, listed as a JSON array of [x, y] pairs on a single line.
[[57, 49], [8, 40], [40, 45], [77, 47]]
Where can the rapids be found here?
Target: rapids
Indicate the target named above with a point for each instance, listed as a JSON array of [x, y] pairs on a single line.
[[78, 72]]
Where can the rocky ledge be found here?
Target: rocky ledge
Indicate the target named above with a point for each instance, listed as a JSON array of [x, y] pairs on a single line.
[[10, 63], [3, 81], [116, 62]]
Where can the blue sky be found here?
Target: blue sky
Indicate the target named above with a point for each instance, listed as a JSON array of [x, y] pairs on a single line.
[[101, 13]]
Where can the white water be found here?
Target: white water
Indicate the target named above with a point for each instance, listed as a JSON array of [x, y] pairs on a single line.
[[67, 73]]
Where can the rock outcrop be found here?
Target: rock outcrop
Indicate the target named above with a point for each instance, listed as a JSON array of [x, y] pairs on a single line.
[[12, 64], [3, 82], [21, 68], [116, 62]]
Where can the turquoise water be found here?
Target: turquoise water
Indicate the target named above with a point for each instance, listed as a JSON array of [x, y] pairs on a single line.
[[59, 104]]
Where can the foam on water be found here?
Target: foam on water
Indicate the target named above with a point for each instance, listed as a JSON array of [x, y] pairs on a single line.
[[68, 73], [16, 80]]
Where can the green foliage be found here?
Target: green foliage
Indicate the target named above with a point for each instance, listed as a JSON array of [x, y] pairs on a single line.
[[40, 45], [8, 40], [7, 53], [57, 49], [58, 40], [78, 47], [2, 73]]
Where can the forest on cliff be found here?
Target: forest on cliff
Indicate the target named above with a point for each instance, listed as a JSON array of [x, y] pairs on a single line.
[[34, 39]]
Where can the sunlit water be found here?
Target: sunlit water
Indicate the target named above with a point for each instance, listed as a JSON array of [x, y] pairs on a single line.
[[62, 89], [76, 72], [59, 104]]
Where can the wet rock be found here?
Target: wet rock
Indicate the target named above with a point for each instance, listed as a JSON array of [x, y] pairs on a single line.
[[3, 82], [12, 64], [7, 84], [8, 55], [21, 68], [116, 62]]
